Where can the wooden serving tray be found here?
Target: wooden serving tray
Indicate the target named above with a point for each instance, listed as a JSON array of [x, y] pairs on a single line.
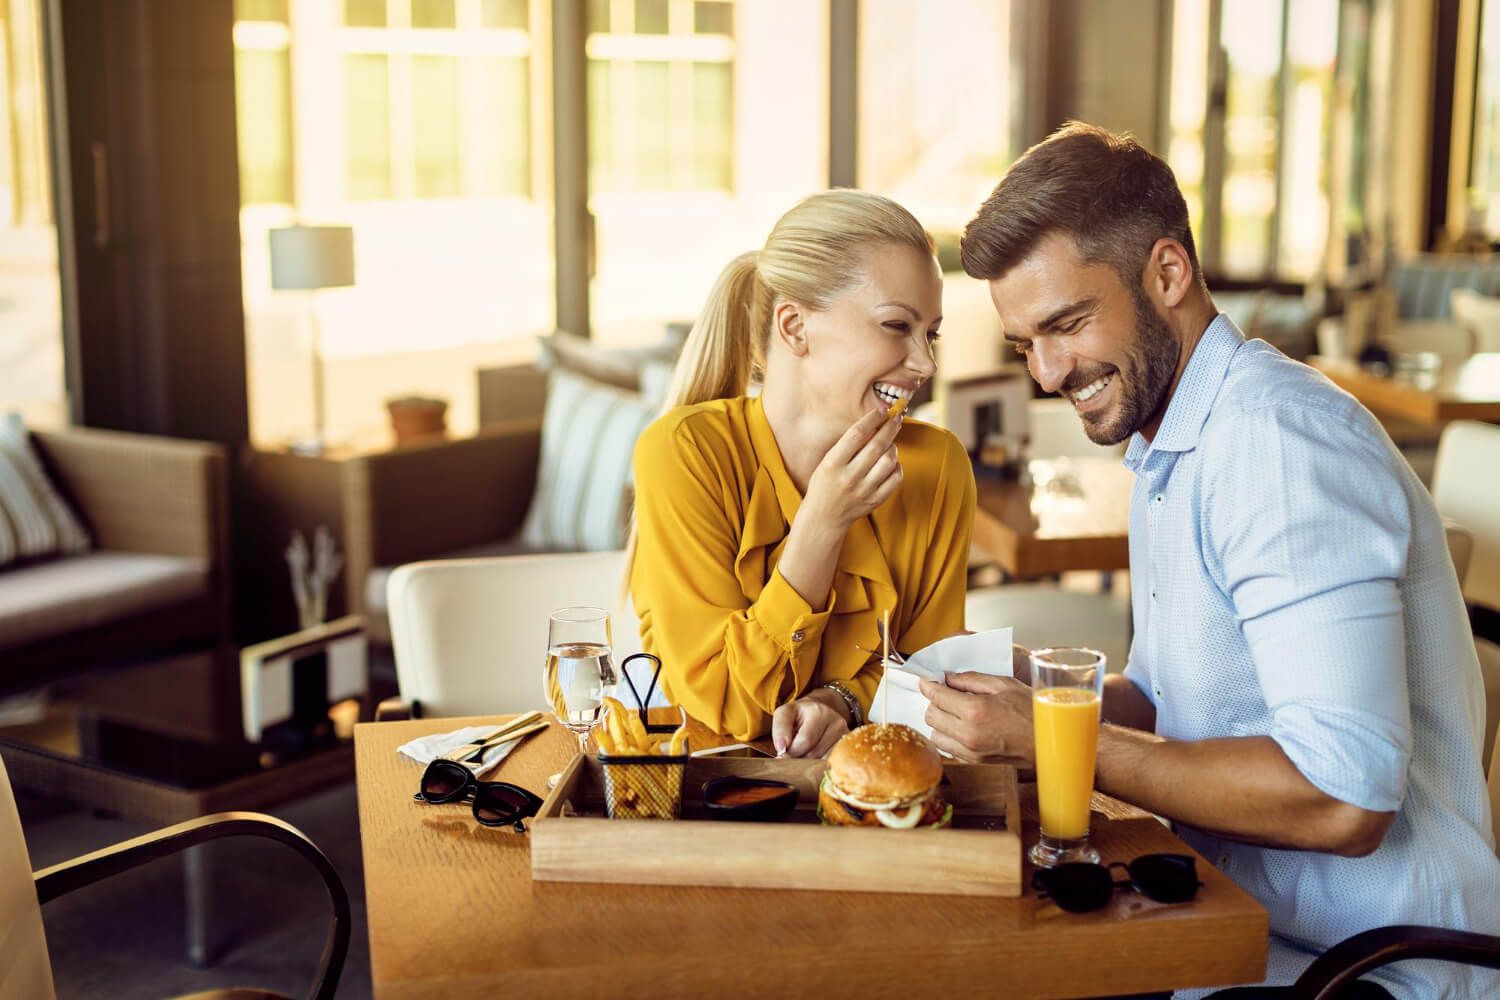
[[572, 841]]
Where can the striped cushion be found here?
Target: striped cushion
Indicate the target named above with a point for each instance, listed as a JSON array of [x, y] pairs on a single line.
[[1424, 282], [34, 520], [588, 437]]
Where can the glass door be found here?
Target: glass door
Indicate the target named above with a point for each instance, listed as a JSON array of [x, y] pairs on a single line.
[[32, 375]]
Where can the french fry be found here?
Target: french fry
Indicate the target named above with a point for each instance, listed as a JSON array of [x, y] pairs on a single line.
[[616, 725], [606, 742], [898, 406], [679, 741], [638, 734]]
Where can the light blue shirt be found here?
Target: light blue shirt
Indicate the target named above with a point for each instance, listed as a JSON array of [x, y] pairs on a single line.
[[1291, 579]]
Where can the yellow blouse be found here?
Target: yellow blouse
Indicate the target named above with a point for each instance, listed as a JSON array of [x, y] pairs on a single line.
[[714, 504]]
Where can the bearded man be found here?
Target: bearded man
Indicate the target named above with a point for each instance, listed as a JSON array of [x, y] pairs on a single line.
[[1302, 698]]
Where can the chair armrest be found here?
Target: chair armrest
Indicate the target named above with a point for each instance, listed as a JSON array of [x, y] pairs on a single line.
[[141, 493], [431, 498], [90, 868], [395, 709], [511, 392], [1351, 958]]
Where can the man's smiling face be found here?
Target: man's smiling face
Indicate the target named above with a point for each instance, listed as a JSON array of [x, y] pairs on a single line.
[[1087, 335]]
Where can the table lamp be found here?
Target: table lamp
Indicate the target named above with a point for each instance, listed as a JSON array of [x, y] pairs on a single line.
[[309, 258]]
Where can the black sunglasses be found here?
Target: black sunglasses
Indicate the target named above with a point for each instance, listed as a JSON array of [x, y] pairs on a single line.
[[496, 803], [1079, 887]]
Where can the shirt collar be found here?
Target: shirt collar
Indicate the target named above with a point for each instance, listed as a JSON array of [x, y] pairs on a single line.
[[1188, 409]]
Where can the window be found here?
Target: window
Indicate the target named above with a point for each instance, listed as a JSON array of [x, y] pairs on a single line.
[[661, 95], [32, 377], [1484, 170], [1254, 173], [262, 67], [417, 123], [934, 128], [1187, 99], [431, 86], [697, 111]]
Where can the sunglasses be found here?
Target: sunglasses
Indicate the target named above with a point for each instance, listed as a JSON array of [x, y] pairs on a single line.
[[496, 803], [1079, 887]]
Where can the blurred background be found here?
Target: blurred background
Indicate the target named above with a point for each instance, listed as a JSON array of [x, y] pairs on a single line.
[[1312, 137]]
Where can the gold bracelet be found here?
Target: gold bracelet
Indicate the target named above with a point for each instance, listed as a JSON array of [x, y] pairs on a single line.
[[856, 714]]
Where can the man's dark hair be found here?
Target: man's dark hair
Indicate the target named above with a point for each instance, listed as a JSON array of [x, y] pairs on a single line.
[[1114, 197]]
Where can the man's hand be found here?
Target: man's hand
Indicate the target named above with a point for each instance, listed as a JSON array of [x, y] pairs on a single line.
[[807, 727], [977, 717]]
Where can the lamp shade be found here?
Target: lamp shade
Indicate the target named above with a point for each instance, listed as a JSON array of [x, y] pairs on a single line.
[[307, 257]]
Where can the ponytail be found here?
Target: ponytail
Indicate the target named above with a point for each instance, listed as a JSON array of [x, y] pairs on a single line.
[[724, 350]]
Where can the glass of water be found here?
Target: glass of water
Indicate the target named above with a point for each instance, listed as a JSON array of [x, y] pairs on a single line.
[[580, 670]]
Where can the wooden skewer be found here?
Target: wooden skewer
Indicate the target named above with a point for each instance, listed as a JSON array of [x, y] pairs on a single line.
[[885, 664]]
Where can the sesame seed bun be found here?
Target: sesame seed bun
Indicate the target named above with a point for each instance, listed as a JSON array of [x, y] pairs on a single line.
[[880, 763]]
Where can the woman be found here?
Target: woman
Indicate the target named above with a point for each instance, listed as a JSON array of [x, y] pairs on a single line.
[[775, 532]]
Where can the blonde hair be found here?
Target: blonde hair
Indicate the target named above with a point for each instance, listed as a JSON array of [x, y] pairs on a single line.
[[815, 252]]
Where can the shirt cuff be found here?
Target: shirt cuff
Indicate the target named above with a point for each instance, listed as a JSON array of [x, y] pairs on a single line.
[[792, 624]]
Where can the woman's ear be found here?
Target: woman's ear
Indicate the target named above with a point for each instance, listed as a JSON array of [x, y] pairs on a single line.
[[788, 323]]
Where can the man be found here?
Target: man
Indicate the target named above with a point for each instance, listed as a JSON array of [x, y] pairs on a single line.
[[1302, 697]]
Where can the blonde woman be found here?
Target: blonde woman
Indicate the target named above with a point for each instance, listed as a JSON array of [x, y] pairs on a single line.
[[774, 532]]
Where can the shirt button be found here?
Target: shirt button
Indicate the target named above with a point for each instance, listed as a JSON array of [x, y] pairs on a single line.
[[1157, 691], [1159, 498], [1153, 593], [1223, 861], [798, 635]]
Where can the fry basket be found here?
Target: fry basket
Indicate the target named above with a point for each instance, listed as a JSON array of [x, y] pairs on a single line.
[[645, 787]]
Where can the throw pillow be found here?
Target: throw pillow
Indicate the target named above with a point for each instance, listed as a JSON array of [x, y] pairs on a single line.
[[34, 520], [1480, 315], [582, 499], [616, 366]]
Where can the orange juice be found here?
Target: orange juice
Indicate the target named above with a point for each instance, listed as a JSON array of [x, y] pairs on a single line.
[[1066, 721]]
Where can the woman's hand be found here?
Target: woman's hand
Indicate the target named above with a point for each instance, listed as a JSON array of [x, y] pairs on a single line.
[[809, 726], [859, 473]]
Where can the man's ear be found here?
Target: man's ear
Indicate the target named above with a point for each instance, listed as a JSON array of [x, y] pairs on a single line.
[[787, 320], [1169, 273]]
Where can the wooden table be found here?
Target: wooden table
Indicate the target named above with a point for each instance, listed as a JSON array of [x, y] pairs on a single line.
[[453, 912], [1066, 514], [1466, 390]]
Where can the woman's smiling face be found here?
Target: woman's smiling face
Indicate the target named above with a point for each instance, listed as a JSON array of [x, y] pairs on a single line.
[[874, 343]]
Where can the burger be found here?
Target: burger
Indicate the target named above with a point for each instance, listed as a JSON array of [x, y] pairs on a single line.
[[883, 776]]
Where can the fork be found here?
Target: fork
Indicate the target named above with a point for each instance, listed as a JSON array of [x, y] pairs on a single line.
[[482, 742]]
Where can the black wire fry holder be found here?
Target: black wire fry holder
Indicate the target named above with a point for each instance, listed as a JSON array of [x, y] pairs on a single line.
[[645, 786]]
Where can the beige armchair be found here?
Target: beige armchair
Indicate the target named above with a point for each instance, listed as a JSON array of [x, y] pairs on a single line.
[[157, 578]]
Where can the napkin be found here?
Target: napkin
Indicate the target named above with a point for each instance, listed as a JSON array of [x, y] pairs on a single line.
[[425, 749], [986, 652]]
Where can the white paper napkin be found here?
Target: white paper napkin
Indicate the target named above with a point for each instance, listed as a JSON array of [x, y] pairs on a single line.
[[986, 652], [425, 749]]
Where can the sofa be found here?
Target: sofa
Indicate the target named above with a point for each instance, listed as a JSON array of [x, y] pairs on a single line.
[[155, 580]]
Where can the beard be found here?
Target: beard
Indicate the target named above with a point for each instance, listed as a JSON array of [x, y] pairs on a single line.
[[1150, 363]]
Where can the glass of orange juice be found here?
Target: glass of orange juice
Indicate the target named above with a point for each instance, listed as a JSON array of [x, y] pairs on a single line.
[[1067, 687]]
